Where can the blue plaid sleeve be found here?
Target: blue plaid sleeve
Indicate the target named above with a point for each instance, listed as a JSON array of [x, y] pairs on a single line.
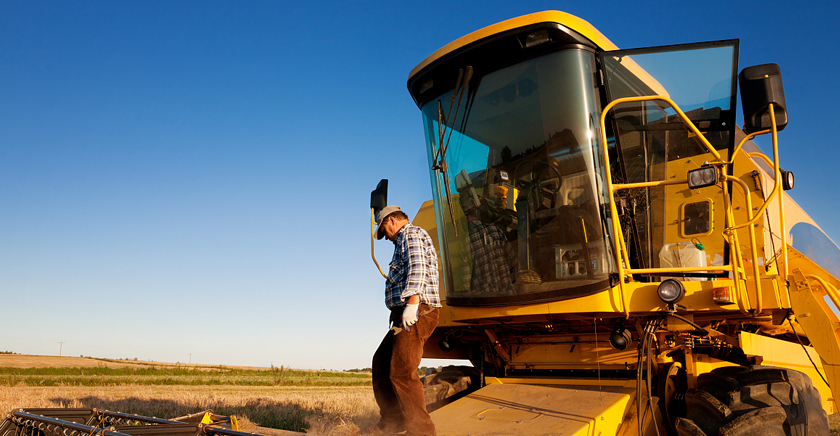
[[414, 269], [418, 265]]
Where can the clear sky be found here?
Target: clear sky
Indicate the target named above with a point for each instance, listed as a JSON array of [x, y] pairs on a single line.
[[194, 176]]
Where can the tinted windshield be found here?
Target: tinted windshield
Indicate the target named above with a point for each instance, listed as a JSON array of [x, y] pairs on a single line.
[[525, 172]]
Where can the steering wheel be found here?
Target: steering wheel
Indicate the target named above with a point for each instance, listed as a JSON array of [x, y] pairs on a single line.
[[547, 190], [543, 190]]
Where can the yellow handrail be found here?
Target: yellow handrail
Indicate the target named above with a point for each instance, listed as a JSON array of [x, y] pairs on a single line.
[[680, 269], [753, 246], [776, 187], [830, 290], [649, 184], [734, 242], [783, 232], [781, 193], [762, 156], [744, 141], [619, 245]]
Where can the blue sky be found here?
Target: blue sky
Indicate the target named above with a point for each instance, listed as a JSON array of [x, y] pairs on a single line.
[[194, 176]]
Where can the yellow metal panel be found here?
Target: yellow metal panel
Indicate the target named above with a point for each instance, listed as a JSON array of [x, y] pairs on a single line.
[[775, 352], [770, 292], [820, 324], [628, 384], [507, 408], [425, 218], [754, 159], [696, 364], [642, 297], [798, 260], [675, 197]]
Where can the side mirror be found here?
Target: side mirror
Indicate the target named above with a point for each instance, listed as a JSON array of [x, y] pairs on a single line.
[[761, 85], [379, 197]]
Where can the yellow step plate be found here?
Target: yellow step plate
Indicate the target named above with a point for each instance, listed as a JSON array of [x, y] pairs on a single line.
[[519, 409]]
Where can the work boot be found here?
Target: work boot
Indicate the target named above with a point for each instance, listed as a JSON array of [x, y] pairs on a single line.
[[389, 428]]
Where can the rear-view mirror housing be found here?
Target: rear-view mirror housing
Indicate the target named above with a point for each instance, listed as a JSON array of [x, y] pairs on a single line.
[[761, 85], [379, 197]]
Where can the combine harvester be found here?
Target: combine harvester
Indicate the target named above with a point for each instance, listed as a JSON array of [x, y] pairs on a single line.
[[619, 257]]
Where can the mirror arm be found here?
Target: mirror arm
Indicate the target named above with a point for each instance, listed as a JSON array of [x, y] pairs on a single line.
[[372, 239]]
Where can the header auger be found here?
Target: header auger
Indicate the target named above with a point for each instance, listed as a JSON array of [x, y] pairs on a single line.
[[99, 422]]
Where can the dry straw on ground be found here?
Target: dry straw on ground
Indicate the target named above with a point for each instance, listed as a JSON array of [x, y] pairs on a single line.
[[335, 411], [327, 411]]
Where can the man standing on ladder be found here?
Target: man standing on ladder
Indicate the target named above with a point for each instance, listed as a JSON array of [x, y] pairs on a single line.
[[411, 293]]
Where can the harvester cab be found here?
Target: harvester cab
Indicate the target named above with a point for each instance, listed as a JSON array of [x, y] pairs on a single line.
[[616, 253]]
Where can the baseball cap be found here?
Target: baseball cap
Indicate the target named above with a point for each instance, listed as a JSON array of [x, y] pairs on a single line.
[[387, 210]]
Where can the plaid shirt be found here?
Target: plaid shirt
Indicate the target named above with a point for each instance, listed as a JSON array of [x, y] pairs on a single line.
[[493, 260], [414, 269]]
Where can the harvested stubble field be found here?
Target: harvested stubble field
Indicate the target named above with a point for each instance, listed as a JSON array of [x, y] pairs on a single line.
[[318, 401], [336, 407]]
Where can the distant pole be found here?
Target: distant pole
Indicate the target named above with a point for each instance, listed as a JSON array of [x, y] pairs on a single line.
[[190, 359], [60, 346]]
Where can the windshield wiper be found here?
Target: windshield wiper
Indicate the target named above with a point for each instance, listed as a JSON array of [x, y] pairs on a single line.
[[439, 162]]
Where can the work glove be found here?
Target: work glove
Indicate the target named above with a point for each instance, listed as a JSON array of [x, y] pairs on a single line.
[[410, 315]]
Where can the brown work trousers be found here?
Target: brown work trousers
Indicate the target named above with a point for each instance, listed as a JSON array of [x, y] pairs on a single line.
[[396, 385]]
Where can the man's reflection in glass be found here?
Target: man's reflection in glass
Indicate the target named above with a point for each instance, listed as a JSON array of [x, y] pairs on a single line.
[[493, 261]]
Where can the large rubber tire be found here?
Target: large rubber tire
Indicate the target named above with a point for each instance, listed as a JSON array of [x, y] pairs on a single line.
[[754, 401], [449, 384], [672, 382]]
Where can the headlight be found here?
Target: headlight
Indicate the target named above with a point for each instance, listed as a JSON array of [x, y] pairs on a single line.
[[702, 177], [671, 291], [620, 338], [787, 179], [537, 38]]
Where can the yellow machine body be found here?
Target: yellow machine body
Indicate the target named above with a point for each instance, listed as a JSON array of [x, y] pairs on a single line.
[[548, 363]]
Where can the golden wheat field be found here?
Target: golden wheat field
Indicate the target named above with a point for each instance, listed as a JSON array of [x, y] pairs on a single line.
[[64, 382], [327, 410], [317, 410]]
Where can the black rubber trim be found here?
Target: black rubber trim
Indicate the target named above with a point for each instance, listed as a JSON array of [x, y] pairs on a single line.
[[491, 54], [539, 297], [588, 374]]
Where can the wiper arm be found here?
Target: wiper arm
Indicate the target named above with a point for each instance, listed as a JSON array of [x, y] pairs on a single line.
[[439, 162], [443, 122], [441, 135]]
